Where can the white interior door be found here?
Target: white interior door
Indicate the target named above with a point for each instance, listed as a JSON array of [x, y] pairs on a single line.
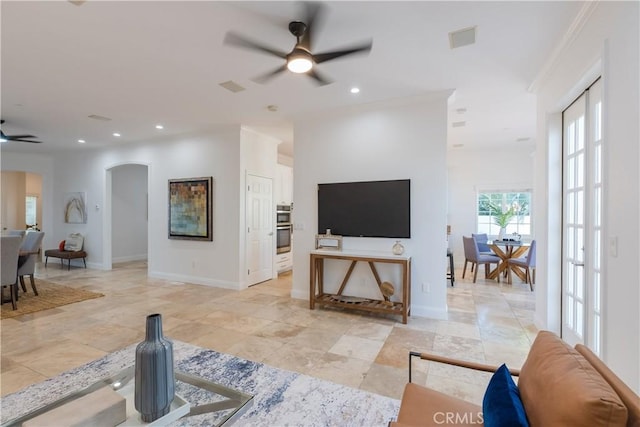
[[582, 222], [259, 220]]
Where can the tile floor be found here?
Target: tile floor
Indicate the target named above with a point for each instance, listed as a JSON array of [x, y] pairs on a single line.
[[487, 322]]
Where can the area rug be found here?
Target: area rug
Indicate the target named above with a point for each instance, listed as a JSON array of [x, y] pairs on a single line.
[[280, 397], [51, 295]]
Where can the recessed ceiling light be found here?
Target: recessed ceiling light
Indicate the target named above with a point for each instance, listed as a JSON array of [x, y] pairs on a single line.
[[159, 127], [116, 134], [355, 90], [458, 124], [461, 110], [81, 141], [524, 139], [458, 145], [272, 108]]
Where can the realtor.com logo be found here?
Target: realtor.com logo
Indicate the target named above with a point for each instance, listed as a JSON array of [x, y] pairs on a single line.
[[471, 418]]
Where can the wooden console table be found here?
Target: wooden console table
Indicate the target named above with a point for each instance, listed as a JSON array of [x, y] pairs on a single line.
[[318, 296]]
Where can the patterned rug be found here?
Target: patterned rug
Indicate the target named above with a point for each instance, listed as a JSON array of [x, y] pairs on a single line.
[[51, 295]]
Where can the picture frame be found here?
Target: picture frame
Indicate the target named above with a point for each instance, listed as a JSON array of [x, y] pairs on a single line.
[[191, 209], [75, 207]]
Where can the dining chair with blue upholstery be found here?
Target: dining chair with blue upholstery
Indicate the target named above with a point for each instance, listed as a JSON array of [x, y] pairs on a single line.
[[527, 263], [482, 240], [9, 248], [30, 245], [472, 254]]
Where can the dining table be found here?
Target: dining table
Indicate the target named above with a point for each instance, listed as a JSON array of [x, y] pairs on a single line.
[[505, 250]]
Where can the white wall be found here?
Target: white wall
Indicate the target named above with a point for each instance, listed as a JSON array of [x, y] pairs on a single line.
[[216, 153], [471, 171], [394, 140], [607, 44], [129, 213]]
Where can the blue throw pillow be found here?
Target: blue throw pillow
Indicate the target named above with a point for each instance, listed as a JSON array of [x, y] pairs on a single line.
[[501, 405]]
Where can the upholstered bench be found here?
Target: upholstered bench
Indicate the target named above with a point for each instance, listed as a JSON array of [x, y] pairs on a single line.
[[68, 255]]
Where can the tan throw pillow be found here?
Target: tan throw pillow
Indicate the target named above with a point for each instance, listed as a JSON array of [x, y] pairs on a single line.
[[558, 387], [74, 242]]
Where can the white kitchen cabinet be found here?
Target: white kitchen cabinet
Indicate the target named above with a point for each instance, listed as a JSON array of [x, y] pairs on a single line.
[[284, 185], [284, 262]]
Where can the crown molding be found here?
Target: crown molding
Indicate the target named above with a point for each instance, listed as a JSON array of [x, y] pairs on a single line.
[[572, 32]]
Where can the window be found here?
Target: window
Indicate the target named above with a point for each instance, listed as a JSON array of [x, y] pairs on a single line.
[[31, 209], [513, 208]]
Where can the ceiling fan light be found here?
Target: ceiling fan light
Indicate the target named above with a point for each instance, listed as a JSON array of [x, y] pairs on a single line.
[[299, 64]]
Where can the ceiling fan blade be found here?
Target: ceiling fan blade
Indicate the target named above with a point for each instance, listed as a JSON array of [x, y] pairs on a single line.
[[328, 56], [19, 136], [237, 40], [313, 18], [268, 76], [320, 80], [24, 140]]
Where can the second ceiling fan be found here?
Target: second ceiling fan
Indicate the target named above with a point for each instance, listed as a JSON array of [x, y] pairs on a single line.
[[301, 59]]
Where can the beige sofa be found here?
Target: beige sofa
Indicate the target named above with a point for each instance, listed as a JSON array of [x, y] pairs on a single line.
[[559, 386]]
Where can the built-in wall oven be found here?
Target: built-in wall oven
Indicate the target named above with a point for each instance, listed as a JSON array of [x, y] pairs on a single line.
[[284, 228]]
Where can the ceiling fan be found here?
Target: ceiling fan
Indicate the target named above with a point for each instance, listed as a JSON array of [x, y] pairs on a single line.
[[19, 138], [300, 59]]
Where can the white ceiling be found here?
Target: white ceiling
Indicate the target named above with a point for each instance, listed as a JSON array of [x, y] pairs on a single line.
[[148, 62]]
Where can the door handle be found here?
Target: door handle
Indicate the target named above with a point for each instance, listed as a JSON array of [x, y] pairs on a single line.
[[578, 264], [271, 234]]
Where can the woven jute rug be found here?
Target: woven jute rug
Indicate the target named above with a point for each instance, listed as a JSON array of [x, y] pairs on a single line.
[[51, 295]]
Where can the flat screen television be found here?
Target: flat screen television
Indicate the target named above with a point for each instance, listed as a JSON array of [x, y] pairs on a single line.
[[365, 209]]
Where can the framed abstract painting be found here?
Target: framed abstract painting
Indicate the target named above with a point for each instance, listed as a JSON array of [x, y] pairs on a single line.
[[191, 209]]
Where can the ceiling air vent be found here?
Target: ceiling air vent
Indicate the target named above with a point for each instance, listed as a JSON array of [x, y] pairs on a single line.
[[458, 124], [232, 86], [97, 117], [463, 37]]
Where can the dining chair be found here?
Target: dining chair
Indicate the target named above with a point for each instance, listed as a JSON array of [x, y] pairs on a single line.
[[472, 254], [9, 248], [528, 263], [31, 245], [482, 240]]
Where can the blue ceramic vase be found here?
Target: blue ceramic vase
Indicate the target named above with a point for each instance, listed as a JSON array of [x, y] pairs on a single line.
[[155, 379]]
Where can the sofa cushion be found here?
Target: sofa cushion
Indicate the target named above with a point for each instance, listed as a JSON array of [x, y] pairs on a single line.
[[558, 387], [501, 405]]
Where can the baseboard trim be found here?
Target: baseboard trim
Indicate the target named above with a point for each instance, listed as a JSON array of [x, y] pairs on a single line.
[[196, 280], [139, 257], [430, 312]]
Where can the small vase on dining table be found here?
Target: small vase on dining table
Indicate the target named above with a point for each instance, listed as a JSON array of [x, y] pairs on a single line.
[[502, 233]]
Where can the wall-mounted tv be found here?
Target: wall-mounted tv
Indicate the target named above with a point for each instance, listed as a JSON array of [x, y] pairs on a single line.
[[365, 209]]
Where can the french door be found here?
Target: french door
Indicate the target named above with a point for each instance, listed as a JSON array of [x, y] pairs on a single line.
[[582, 248]]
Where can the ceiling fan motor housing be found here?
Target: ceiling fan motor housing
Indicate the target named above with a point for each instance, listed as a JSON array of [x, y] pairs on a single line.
[[297, 28]]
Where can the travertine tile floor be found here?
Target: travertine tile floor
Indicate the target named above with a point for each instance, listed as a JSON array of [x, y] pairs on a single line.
[[487, 322]]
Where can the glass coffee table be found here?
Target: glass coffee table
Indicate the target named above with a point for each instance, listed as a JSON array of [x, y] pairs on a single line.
[[195, 397]]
